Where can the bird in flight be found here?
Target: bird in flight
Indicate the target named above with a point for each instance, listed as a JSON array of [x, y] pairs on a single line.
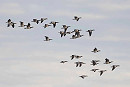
[[63, 61], [95, 62], [94, 70], [83, 76], [35, 20], [76, 18], [54, 23], [43, 19], [95, 50], [90, 32], [46, 25], [47, 38], [79, 64], [102, 71], [28, 26], [21, 24], [107, 61], [114, 66]]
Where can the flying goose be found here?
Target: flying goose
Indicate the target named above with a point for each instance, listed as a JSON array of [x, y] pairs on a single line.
[[72, 56], [65, 27], [90, 32], [54, 23], [46, 25], [83, 76], [63, 62], [28, 26], [9, 22], [107, 61], [94, 62], [35, 20], [79, 64], [43, 19], [95, 50], [114, 66], [47, 38], [21, 24], [62, 33], [102, 71], [76, 18], [94, 70]]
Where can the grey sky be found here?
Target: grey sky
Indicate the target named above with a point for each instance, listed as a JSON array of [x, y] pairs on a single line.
[[27, 61]]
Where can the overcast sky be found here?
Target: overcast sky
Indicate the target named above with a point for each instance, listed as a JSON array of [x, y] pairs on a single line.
[[26, 60]]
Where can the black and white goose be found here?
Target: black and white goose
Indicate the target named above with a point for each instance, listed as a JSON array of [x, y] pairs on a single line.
[[95, 50], [102, 71], [43, 19], [95, 62], [114, 66], [47, 38], [76, 18], [65, 27], [94, 70], [107, 61], [63, 62], [8, 22], [35, 20], [90, 32], [72, 56], [21, 24], [83, 76], [46, 25], [28, 26], [62, 33], [54, 23], [79, 64]]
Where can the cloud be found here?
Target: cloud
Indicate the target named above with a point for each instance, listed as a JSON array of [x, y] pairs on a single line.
[[11, 9]]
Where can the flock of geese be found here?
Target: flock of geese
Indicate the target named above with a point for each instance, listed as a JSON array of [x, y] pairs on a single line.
[[76, 34]]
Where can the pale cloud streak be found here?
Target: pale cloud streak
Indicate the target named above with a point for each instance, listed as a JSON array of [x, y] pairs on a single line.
[[11, 9]]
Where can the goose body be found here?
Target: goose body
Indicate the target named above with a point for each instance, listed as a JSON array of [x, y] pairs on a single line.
[[63, 61], [47, 38], [107, 61], [79, 64], [54, 23], [83, 76], [102, 71], [43, 19], [35, 20], [114, 66], [90, 32], [21, 24], [94, 70], [46, 25], [94, 62], [95, 50], [76, 18], [28, 26]]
